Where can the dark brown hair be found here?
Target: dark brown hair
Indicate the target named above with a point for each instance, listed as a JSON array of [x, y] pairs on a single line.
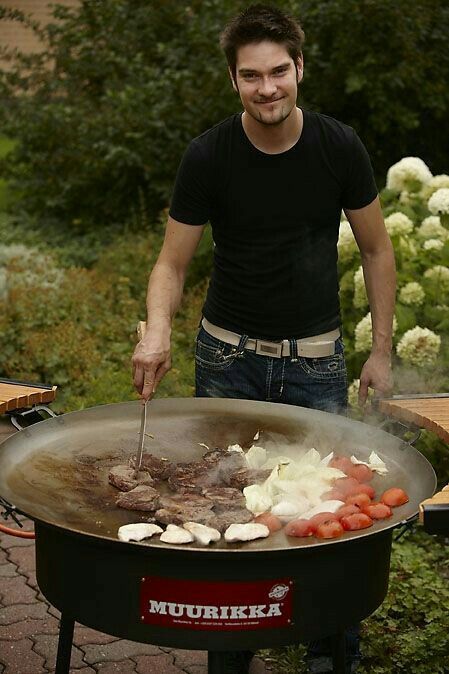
[[256, 24]]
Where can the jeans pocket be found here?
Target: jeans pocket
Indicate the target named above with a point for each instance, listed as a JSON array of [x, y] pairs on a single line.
[[327, 367], [213, 354]]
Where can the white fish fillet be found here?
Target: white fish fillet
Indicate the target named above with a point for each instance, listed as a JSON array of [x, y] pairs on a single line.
[[246, 532], [201, 533], [176, 535], [138, 531]]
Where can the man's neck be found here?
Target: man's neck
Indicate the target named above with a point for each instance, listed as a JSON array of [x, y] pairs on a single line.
[[274, 138]]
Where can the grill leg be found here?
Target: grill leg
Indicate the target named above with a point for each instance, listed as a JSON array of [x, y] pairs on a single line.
[[228, 662], [338, 642], [64, 645]]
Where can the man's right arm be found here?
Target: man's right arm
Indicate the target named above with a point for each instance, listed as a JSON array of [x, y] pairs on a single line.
[[151, 359]]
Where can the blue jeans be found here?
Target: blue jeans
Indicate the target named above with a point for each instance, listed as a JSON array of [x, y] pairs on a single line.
[[319, 383]]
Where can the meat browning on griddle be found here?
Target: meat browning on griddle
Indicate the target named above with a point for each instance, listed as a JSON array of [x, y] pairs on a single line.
[[189, 500], [159, 468], [194, 477], [139, 498], [214, 455], [243, 477], [236, 516], [225, 498], [179, 515], [123, 478]]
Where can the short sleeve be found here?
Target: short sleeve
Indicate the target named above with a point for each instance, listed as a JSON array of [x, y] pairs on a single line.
[[191, 197], [360, 188]]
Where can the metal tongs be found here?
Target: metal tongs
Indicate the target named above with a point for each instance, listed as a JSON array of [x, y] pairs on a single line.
[[141, 328]]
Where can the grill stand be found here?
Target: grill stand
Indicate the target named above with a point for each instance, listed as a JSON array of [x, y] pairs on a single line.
[[217, 662]]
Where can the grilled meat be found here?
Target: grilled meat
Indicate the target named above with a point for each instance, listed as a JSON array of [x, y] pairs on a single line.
[[122, 477], [243, 477], [140, 498], [236, 516], [225, 498], [179, 515], [159, 468], [194, 477]]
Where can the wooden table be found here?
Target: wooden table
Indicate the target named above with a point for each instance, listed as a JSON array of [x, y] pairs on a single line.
[[430, 412], [16, 395]]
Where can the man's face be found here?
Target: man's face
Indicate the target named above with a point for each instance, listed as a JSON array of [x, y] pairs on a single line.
[[266, 80]]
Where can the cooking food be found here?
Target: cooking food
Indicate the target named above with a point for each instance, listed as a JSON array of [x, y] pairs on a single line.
[[201, 533], [251, 494], [138, 531], [176, 535], [140, 498], [124, 479], [246, 532], [394, 497]]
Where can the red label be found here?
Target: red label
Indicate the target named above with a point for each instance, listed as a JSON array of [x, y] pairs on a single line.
[[201, 605]]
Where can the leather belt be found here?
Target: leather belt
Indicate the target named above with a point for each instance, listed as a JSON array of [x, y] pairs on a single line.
[[317, 346]]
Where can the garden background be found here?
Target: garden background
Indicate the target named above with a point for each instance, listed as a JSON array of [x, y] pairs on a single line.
[[94, 124]]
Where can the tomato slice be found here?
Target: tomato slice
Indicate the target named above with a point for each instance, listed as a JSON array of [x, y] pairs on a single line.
[[347, 510], [347, 485], [329, 529], [318, 519], [367, 489], [341, 463], [359, 500], [333, 495], [361, 473], [377, 511], [356, 521], [394, 497], [300, 528], [270, 520]]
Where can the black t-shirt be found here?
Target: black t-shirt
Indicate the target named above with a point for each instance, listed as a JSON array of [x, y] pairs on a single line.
[[275, 222]]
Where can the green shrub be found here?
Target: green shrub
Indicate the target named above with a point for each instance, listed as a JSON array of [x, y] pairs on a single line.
[[103, 115]]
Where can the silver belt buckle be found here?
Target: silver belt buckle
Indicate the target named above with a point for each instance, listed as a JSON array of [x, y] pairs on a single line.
[[273, 349]]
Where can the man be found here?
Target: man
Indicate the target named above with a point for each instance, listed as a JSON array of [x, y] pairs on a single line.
[[272, 182]]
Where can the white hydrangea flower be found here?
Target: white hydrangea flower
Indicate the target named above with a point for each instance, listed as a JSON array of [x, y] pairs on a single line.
[[434, 184], [412, 294], [419, 346], [410, 173], [433, 244], [431, 228], [398, 224], [353, 393], [24, 267], [405, 198], [15, 251], [439, 274], [439, 201], [363, 333], [347, 246], [360, 298]]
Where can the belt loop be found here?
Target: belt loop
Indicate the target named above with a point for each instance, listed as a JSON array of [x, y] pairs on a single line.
[[294, 350], [242, 343]]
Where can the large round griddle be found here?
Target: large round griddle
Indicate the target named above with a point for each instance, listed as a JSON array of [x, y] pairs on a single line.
[[56, 472]]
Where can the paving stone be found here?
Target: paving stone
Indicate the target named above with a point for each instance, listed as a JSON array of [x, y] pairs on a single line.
[[3, 554], [47, 646], [157, 664], [16, 542], [122, 667], [196, 669], [24, 559], [85, 635], [118, 650], [18, 657], [18, 612], [27, 628], [7, 570], [83, 670], [185, 659], [16, 591]]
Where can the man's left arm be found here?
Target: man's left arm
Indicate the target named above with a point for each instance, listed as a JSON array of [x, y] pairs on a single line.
[[380, 280]]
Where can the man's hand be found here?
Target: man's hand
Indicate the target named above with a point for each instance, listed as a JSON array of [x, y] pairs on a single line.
[[151, 361], [376, 373]]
